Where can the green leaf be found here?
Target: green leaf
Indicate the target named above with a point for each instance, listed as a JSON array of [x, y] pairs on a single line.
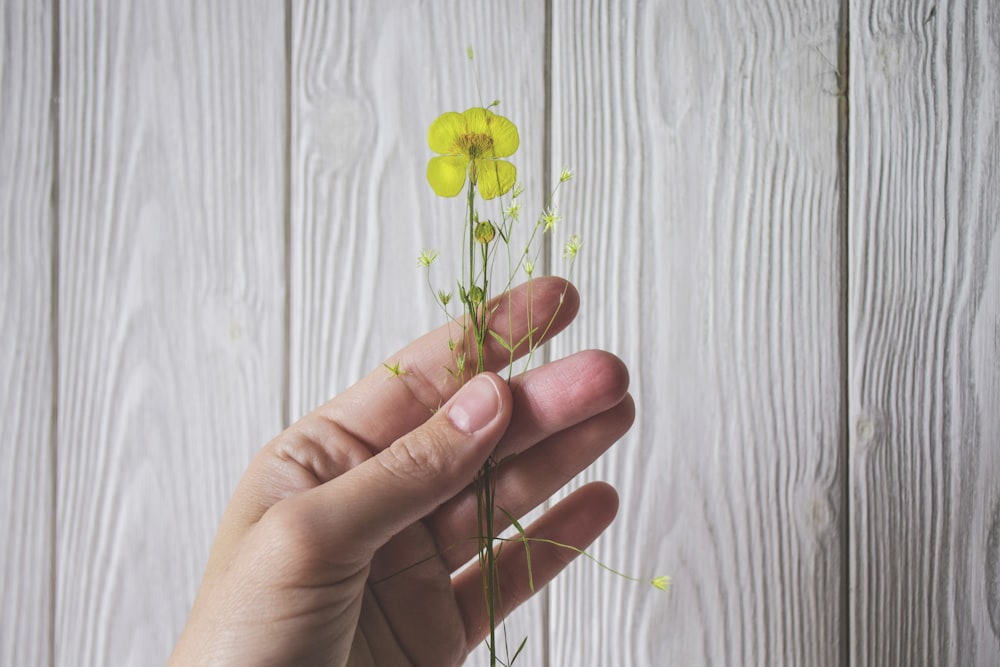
[[500, 340], [524, 540], [528, 335], [519, 649]]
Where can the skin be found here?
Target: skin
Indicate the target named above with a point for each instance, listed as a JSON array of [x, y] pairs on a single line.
[[346, 541]]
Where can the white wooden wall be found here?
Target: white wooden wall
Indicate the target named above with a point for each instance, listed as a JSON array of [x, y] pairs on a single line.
[[210, 217]]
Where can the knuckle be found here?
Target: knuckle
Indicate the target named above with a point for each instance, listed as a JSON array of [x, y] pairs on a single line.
[[419, 457]]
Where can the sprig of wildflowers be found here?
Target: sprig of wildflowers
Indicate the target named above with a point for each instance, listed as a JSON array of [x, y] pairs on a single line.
[[471, 149]]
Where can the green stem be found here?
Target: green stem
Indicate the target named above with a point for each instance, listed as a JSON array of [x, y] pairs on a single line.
[[471, 307], [486, 482]]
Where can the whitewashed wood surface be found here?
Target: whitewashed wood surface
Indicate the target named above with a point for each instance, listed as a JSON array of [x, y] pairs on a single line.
[[172, 301], [27, 328], [706, 136], [924, 334], [209, 219]]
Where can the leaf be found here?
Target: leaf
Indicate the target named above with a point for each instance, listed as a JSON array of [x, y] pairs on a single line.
[[500, 340], [519, 649], [526, 337], [507, 346], [524, 540]]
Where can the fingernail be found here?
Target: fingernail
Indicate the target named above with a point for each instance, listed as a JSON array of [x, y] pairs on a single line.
[[475, 405]]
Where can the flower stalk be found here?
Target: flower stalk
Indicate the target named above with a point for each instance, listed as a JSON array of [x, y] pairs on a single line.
[[472, 148]]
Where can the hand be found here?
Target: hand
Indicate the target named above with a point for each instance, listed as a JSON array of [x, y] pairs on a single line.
[[345, 540]]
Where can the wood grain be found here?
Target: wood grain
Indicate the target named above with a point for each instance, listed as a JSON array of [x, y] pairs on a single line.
[[925, 334], [198, 279], [27, 356], [704, 136], [171, 294], [367, 81]]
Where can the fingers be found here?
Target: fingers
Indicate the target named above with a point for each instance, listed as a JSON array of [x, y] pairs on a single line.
[[527, 480], [562, 393], [575, 407], [350, 517], [377, 412], [546, 400], [349, 429], [577, 521], [566, 414]]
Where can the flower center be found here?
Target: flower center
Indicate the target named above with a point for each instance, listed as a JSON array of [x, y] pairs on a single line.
[[475, 145]]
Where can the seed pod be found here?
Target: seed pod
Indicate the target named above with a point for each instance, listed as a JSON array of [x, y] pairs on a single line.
[[485, 232]]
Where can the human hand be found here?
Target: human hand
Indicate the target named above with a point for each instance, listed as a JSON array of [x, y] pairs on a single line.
[[344, 542]]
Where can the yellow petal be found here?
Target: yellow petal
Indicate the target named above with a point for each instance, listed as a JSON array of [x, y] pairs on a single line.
[[444, 131], [505, 137], [495, 177], [446, 174], [476, 120]]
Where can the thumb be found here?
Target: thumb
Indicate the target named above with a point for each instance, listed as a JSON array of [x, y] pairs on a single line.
[[362, 509]]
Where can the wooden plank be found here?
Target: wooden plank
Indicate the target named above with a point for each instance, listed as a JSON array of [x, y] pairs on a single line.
[[704, 136], [367, 81], [171, 284], [924, 333], [27, 359]]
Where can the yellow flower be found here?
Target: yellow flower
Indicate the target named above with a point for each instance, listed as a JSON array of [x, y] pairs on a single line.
[[395, 369], [572, 247], [663, 583], [427, 257], [550, 218], [470, 145]]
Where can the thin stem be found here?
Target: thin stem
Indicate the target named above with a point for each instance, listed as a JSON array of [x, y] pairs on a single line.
[[486, 482]]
